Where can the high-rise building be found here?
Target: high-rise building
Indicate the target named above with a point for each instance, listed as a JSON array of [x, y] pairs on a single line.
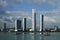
[[15, 25], [4, 26], [24, 24], [41, 22], [18, 25], [33, 20]]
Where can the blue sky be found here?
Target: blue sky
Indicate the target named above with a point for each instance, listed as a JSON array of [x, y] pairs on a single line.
[[16, 9], [27, 6]]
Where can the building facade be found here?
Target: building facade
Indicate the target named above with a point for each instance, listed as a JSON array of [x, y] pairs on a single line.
[[24, 24], [41, 22], [18, 25], [33, 20], [4, 29]]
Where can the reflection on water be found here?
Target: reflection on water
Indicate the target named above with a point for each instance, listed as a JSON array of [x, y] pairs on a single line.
[[28, 36], [21, 36]]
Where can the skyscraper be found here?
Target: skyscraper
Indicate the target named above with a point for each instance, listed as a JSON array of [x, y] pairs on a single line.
[[18, 25], [33, 20], [15, 25], [41, 22], [24, 24], [4, 29]]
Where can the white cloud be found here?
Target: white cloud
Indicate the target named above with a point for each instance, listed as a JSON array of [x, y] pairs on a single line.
[[49, 19], [38, 2], [3, 3], [18, 1], [19, 13], [10, 17], [19, 17], [29, 17], [52, 2], [7, 12], [57, 3]]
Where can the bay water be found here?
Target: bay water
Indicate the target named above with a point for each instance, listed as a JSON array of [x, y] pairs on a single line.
[[29, 36]]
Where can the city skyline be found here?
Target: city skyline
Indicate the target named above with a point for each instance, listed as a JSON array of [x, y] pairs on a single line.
[[17, 9], [29, 18]]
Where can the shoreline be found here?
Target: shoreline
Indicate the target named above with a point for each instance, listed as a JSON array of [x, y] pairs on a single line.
[[29, 32]]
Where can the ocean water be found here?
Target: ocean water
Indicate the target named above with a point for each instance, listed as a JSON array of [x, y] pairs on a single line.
[[29, 36]]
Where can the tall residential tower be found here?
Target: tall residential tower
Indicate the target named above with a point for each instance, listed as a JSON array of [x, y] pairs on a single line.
[[24, 24], [33, 20], [41, 22], [15, 25], [18, 25], [4, 29]]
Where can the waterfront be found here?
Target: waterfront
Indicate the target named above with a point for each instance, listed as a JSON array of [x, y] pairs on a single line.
[[29, 36]]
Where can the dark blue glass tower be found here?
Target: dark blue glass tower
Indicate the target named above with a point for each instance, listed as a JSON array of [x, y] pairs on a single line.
[[19, 24], [4, 29]]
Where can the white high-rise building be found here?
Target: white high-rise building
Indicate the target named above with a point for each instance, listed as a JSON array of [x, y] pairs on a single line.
[[33, 20], [15, 25], [41, 22], [24, 24]]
